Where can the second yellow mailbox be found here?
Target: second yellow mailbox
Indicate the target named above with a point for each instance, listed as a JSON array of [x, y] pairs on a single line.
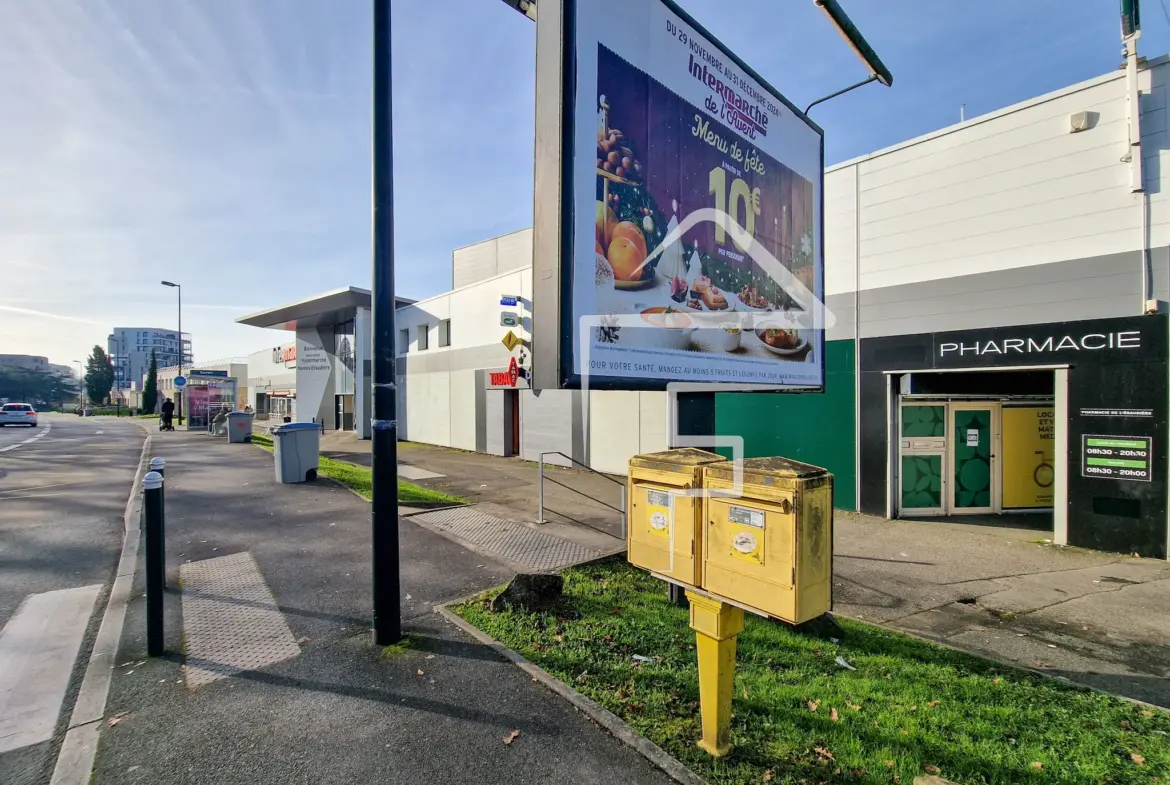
[[664, 526], [768, 544]]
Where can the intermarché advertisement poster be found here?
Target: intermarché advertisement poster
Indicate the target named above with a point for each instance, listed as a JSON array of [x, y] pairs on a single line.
[[669, 131]]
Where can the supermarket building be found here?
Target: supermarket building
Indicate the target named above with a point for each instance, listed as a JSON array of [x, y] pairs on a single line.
[[1000, 345]]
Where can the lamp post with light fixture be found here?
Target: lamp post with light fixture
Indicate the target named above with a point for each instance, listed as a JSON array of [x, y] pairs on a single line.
[[179, 403], [80, 385]]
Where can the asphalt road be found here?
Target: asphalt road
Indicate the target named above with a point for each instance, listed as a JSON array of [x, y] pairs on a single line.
[[63, 491]]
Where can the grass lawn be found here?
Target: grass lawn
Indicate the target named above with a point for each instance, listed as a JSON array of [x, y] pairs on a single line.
[[910, 708], [359, 479]]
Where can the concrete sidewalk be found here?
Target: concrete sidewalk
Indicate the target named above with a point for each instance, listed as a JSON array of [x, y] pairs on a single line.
[[1001, 592], [273, 676]]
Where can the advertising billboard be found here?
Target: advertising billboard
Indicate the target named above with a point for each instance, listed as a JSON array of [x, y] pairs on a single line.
[[692, 248]]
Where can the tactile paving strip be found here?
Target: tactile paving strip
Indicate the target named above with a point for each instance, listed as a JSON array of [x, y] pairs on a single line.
[[516, 542], [231, 622]]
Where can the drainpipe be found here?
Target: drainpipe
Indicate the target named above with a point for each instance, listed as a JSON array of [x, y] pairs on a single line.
[[1133, 154]]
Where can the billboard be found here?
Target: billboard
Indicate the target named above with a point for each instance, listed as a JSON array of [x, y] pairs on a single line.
[[690, 238]]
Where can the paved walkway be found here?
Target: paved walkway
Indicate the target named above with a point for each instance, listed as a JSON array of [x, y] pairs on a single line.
[[1001, 592], [300, 694]]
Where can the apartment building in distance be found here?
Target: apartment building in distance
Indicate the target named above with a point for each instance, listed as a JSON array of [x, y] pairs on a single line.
[[130, 347]]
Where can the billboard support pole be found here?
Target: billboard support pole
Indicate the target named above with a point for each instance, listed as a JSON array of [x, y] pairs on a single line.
[[384, 512]]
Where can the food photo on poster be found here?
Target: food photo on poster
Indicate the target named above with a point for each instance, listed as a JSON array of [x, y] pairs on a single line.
[[702, 261]]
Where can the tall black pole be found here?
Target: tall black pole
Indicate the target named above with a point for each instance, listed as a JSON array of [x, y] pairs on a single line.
[[179, 287], [387, 611]]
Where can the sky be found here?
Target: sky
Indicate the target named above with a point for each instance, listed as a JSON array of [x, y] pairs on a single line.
[[225, 144]]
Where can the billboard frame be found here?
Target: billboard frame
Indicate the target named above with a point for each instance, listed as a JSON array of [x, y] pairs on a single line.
[[553, 218]]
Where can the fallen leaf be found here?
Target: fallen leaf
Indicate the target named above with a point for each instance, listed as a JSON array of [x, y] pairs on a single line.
[[512, 736], [1147, 713], [929, 769], [1138, 759], [932, 704], [813, 706], [429, 657], [905, 733], [875, 724], [1037, 765], [889, 764], [559, 638], [1086, 627], [1125, 724], [303, 641], [833, 715], [997, 681], [853, 706], [913, 708], [767, 776], [420, 672], [112, 721], [824, 753]]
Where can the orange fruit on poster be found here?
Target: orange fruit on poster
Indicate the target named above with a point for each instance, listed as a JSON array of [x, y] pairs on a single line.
[[630, 231], [624, 257]]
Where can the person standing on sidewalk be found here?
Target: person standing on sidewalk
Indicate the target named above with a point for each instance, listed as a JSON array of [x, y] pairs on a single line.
[[168, 411]]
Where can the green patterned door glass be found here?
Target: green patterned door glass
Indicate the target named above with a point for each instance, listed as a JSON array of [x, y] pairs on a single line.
[[921, 482], [924, 421], [972, 458]]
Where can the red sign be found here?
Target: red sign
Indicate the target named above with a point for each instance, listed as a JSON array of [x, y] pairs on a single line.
[[286, 354], [507, 378]]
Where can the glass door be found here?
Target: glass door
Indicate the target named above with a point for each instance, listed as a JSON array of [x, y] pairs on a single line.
[[922, 453], [974, 431]]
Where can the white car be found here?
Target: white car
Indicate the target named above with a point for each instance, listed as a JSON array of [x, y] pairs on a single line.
[[18, 414]]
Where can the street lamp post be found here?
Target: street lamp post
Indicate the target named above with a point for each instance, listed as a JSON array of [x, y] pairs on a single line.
[[384, 512], [179, 288], [80, 384]]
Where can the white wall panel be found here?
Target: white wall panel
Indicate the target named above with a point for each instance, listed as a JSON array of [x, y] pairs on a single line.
[[462, 410], [614, 429], [652, 426], [840, 230]]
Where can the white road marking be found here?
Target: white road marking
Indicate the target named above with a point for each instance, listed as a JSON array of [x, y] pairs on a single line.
[[38, 647], [42, 434]]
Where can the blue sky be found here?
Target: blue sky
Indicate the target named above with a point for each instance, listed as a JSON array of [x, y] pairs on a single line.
[[225, 144]]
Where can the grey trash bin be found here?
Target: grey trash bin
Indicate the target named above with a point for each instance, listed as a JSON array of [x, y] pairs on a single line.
[[239, 427], [297, 447]]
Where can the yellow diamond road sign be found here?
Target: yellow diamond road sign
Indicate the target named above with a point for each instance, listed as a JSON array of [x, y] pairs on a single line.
[[511, 340]]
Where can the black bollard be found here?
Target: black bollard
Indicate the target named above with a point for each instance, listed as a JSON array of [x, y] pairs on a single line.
[[152, 493]]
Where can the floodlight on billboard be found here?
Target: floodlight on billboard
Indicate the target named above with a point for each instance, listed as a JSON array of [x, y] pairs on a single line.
[[679, 206]]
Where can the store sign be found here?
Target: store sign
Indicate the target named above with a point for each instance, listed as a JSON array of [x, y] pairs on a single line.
[[509, 300], [509, 319], [285, 355], [1117, 457], [197, 373], [1028, 439], [510, 378], [511, 340], [1089, 342], [1117, 412], [694, 205]]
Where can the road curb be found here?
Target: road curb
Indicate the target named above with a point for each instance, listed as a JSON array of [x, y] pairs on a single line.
[[591, 709], [75, 760]]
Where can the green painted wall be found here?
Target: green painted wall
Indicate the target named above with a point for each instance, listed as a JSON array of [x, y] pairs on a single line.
[[814, 428]]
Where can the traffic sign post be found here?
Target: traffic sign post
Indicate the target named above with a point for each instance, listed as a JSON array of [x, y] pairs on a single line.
[[180, 381]]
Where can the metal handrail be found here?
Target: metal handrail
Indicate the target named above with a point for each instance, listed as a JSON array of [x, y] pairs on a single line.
[[587, 468]]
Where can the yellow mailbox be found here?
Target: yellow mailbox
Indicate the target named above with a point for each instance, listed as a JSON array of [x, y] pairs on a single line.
[[768, 546], [663, 509]]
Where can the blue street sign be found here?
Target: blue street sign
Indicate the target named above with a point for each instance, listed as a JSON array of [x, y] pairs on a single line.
[[509, 300], [180, 381]]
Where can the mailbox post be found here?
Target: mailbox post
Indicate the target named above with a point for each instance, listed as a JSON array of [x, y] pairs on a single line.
[[758, 536]]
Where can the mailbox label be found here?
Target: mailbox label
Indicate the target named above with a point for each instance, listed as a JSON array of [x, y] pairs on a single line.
[[661, 511], [746, 517]]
